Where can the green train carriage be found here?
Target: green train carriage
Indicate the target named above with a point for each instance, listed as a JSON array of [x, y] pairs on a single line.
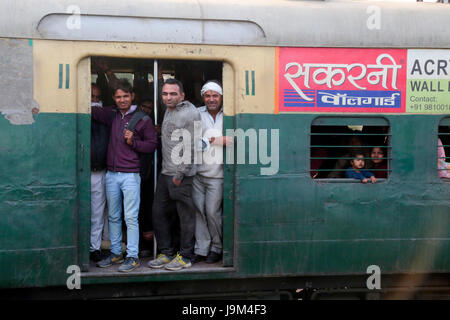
[[282, 231]]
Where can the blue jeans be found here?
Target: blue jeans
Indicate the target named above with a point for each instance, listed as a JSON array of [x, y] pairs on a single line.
[[128, 184]]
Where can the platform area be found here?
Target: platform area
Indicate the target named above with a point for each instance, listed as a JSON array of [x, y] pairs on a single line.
[[143, 269]]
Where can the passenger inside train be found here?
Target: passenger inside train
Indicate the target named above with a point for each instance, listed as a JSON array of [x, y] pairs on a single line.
[[106, 75], [443, 164], [377, 163], [332, 147], [357, 169]]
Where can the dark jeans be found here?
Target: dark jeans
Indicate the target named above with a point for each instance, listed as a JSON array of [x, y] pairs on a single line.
[[145, 214], [168, 196], [145, 209]]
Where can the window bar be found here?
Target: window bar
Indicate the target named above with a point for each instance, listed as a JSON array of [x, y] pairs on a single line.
[[349, 158], [155, 162], [342, 146], [387, 149], [348, 134]]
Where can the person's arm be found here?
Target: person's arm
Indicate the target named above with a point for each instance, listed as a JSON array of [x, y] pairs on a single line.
[[104, 67], [102, 114], [221, 141], [204, 144], [352, 174], [370, 175], [112, 79], [224, 141], [145, 140], [184, 168]]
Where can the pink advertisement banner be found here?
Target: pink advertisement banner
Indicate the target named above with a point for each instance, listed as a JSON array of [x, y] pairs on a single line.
[[341, 80]]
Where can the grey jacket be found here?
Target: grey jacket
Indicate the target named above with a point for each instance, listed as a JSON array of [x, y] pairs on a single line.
[[177, 161]]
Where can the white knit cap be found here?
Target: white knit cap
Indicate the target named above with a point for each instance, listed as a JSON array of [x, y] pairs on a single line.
[[211, 86], [96, 104]]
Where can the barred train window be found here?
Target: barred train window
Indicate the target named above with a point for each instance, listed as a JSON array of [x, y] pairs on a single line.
[[336, 141], [443, 154]]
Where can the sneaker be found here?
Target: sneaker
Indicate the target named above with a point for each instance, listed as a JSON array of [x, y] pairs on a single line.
[[178, 263], [160, 261], [213, 257], [104, 254], [129, 264], [110, 260], [95, 256]]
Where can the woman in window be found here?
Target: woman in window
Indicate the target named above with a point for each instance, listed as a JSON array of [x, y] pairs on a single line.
[[378, 163]]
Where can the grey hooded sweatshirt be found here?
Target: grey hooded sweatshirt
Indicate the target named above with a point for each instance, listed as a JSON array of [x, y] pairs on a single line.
[[176, 137]]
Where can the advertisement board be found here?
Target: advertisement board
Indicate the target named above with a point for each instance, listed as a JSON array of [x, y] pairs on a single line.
[[363, 80]]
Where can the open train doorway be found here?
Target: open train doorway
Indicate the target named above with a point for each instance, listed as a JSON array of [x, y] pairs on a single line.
[[147, 77]]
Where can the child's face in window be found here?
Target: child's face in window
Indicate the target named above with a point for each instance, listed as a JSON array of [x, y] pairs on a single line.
[[358, 162]]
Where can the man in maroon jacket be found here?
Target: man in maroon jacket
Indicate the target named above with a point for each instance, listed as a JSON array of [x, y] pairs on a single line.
[[122, 176]]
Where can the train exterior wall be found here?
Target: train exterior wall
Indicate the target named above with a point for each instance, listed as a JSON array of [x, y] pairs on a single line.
[[289, 223], [40, 199], [284, 224]]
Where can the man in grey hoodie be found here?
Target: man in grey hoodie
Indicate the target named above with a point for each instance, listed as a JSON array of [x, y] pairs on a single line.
[[175, 181]]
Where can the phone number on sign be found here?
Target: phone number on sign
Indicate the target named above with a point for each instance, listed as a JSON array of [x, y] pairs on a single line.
[[430, 107]]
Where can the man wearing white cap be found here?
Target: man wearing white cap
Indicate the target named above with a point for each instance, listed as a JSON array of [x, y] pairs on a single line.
[[207, 187]]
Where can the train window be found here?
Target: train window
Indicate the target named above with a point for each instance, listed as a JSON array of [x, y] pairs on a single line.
[[125, 75], [443, 154], [336, 141]]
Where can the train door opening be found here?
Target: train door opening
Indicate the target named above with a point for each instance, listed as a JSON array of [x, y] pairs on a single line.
[[147, 77]]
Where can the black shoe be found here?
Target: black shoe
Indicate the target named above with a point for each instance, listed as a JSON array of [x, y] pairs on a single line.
[[213, 257], [197, 258], [145, 253], [95, 256], [104, 253]]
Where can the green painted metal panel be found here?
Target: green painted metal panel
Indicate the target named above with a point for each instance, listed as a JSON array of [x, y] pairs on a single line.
[[39, 200], [228, 204], [284, 224], [35, 267], [347, 120], [291, 224], [83, 182], [445, 121]]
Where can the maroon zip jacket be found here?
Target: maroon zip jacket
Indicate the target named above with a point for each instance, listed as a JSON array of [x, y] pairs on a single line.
[[121, 156]]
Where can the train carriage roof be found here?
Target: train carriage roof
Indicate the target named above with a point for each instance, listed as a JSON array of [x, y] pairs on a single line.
[[232, 22]]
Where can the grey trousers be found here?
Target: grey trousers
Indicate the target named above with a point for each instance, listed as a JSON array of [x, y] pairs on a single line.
[[99, 212], [207, 197]]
